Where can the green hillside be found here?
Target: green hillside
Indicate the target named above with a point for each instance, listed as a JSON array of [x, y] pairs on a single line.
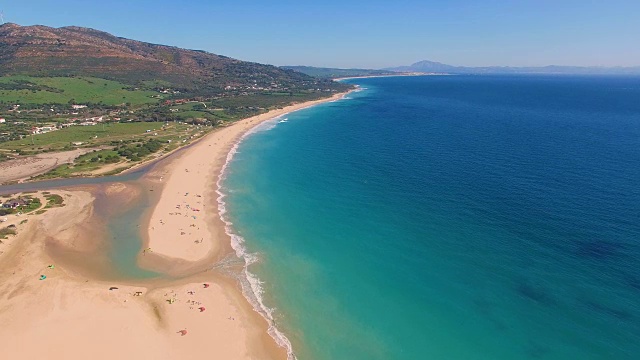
[[21, 89]]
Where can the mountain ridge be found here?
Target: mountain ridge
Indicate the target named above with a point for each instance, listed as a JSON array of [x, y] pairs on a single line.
[[40, 50], [437, 67]]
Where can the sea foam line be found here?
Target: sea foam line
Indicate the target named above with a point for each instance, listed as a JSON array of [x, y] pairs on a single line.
[[250, 284]]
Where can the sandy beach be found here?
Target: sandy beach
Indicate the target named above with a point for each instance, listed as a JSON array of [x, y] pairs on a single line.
[[193, 312], [181, 220]]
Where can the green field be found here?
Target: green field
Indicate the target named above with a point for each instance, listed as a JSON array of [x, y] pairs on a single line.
[[89, 134], [81, 90]]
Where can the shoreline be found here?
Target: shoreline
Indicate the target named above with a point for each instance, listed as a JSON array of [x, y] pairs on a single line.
[[79, 291], [194, 176], [210, 156]]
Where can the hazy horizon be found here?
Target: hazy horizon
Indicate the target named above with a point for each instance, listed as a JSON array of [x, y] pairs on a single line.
[[366, 34]]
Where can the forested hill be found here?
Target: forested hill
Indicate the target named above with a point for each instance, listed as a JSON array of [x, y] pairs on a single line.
[[76, 51]]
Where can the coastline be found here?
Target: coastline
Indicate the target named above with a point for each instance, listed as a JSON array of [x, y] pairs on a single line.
[[382, 76], [188, 187], [233, 325], [193, 183]]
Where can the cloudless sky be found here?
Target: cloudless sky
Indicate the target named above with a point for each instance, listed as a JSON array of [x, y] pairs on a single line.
[[369, 34]]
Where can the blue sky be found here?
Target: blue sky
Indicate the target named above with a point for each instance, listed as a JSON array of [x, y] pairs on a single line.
[[369, 34]]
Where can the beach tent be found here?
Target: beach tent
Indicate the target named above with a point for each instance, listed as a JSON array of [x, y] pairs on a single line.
[[42, 277], [202, 308], [182, 332]]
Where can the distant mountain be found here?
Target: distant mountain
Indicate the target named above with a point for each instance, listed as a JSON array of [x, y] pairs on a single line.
[[436, 67], [332, 73], [76, 51]]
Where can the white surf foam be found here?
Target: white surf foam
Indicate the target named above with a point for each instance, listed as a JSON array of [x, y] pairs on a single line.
[[251, 285], [263, 126]]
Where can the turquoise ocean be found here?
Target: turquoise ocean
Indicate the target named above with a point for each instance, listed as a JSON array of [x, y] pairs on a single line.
[[448, 217]]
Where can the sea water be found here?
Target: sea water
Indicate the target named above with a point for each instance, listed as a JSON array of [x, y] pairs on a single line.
[[449, 217]]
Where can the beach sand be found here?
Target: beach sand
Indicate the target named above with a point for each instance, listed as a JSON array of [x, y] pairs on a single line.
[[73, 314], [179, 225]]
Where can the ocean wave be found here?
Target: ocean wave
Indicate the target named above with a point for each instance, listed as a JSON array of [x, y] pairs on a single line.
[[250, 284], [264, 126]]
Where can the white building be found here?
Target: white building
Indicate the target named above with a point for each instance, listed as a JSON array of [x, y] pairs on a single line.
[[43, 129]]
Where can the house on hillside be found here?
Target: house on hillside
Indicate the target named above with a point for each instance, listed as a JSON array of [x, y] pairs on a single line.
[[3, 120]]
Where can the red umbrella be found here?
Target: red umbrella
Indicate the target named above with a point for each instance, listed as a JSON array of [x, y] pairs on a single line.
[[206, 285], [182, 332], [202, 309]]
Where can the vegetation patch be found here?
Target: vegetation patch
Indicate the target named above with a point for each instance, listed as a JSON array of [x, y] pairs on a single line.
[[6, 231], [98, 156], [116, 171], [139, 151], [54, 200]]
